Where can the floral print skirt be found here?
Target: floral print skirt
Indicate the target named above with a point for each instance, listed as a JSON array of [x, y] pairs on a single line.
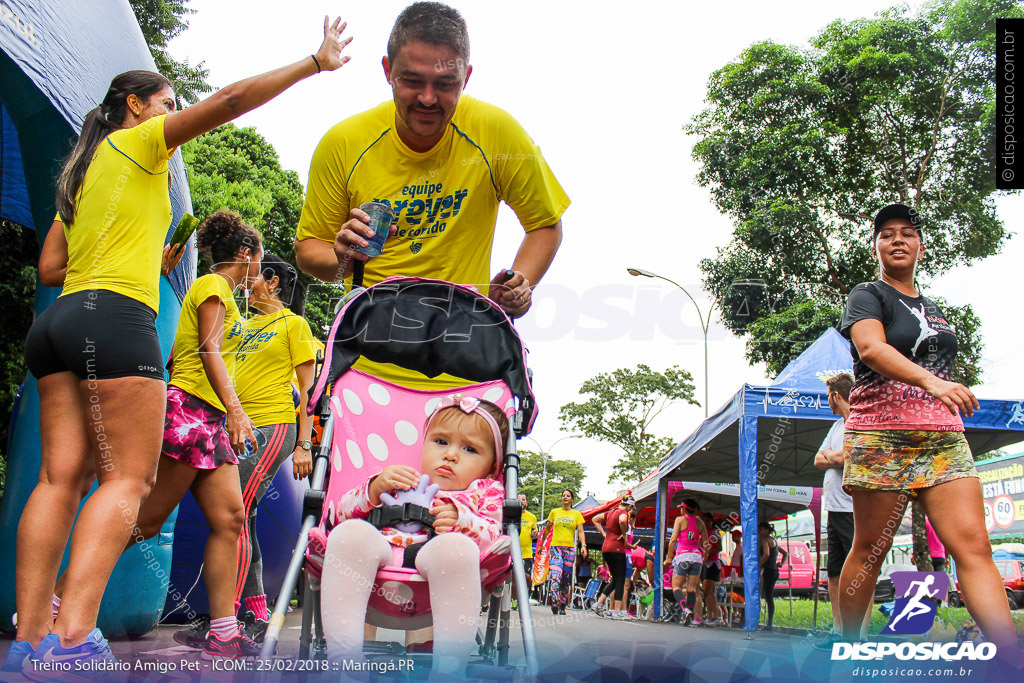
[[904, 460]]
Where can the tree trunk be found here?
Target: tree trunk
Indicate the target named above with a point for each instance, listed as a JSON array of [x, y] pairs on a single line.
[[921, 552]]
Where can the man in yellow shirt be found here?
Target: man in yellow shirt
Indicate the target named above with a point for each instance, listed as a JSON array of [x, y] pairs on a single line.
[[527, 533], [443, 163]]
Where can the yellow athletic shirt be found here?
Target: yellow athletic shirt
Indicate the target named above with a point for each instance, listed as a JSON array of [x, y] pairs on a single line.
[[122, 216], [445, 199], [188, 373], [272, 346], [564, 524], [526, 528]]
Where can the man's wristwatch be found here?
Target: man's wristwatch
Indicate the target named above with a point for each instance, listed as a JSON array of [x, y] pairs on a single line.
[[305, 445]]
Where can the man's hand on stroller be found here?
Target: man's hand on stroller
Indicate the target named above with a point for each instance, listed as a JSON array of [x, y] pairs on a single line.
[[392, 478], [446, 515], [513, 294]]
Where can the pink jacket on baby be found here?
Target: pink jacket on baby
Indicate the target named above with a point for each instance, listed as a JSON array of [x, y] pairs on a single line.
[[479, 509]]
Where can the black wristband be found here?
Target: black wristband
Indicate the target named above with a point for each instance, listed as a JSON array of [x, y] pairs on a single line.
[[315, 61]]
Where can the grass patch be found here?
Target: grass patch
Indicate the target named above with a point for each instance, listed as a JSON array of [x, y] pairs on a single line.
[[948, 619]]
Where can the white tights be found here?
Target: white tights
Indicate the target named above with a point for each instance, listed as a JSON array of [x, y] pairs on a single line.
[[450, 563]]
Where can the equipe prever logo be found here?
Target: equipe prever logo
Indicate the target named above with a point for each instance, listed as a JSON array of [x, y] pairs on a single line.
[[914, 614]]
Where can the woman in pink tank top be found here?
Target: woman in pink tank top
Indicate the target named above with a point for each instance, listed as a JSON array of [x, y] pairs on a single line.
[[685, 556]]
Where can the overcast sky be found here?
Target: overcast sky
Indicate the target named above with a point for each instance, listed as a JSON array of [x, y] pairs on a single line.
[[604, 89]]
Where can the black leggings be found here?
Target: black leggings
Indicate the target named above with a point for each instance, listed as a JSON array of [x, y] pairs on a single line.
[[617, 567], [768, 593]]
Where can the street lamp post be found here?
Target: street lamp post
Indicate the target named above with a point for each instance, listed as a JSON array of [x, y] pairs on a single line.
[[705, 323], [545, 452]]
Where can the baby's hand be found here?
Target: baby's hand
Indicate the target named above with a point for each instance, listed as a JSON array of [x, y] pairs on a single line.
[[392, 478], [445, 516], [422, 494]]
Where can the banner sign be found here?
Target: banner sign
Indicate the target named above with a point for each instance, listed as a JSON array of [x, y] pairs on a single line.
[[1002, 485]]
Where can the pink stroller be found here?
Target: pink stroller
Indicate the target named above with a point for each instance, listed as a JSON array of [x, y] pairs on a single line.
[[432, 327]]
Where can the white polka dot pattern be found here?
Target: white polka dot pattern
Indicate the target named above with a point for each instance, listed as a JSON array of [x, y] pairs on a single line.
[[431, 406], [353, 402], [378, 447], [379, 394], [354, 454], [406, 432], [396, 593], [493, 394]]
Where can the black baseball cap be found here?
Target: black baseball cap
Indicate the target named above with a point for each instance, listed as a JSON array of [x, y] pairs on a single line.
[[898, 211]]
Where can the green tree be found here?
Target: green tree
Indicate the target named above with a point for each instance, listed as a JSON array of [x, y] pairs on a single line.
[[619, 408], [561, 475], [800, 146], [160, 21], [17, 291], [236, 168]]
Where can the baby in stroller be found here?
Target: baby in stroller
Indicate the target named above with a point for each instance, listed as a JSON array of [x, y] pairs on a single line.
[[450, 531]]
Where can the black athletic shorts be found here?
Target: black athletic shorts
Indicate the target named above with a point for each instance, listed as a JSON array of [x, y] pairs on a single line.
[[96, 334], [712, 572], [840, 540]]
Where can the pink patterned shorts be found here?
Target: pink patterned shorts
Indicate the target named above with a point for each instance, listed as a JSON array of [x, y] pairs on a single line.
[[194, 432]]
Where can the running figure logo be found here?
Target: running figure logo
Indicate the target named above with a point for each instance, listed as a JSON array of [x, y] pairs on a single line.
[[922, 320], [914, 613]]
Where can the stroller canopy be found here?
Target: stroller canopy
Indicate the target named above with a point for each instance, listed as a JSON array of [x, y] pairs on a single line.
[[432, 327]]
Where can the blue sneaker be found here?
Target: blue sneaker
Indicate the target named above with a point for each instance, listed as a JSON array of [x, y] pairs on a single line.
[[92, 660], [19, 651]]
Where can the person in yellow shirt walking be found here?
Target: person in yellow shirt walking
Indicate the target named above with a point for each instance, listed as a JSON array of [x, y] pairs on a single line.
[[567, 526], [206, 427], [527, 534], [277, 345]]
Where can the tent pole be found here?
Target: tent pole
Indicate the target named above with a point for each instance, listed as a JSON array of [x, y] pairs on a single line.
[[817, 571], [660, 509], [747, 448], [789, 566]]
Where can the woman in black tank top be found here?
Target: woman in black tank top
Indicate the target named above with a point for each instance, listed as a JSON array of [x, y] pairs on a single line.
[[768, 551]]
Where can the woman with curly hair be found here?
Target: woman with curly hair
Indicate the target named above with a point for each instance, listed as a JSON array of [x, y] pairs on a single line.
[[277, 348], [206, 427]]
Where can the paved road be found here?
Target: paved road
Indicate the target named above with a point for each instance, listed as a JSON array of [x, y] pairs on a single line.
[[575, 647]]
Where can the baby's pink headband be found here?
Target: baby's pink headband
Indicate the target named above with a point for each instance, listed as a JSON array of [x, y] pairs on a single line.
[[470, 405]]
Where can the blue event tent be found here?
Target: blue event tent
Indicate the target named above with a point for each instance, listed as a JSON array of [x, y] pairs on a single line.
[[768, 435]]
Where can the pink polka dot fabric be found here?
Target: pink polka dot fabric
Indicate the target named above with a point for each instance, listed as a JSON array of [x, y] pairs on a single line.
[[377, 423]]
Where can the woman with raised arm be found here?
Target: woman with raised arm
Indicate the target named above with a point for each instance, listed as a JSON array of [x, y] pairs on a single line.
[[905, 435], [95, 351]]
